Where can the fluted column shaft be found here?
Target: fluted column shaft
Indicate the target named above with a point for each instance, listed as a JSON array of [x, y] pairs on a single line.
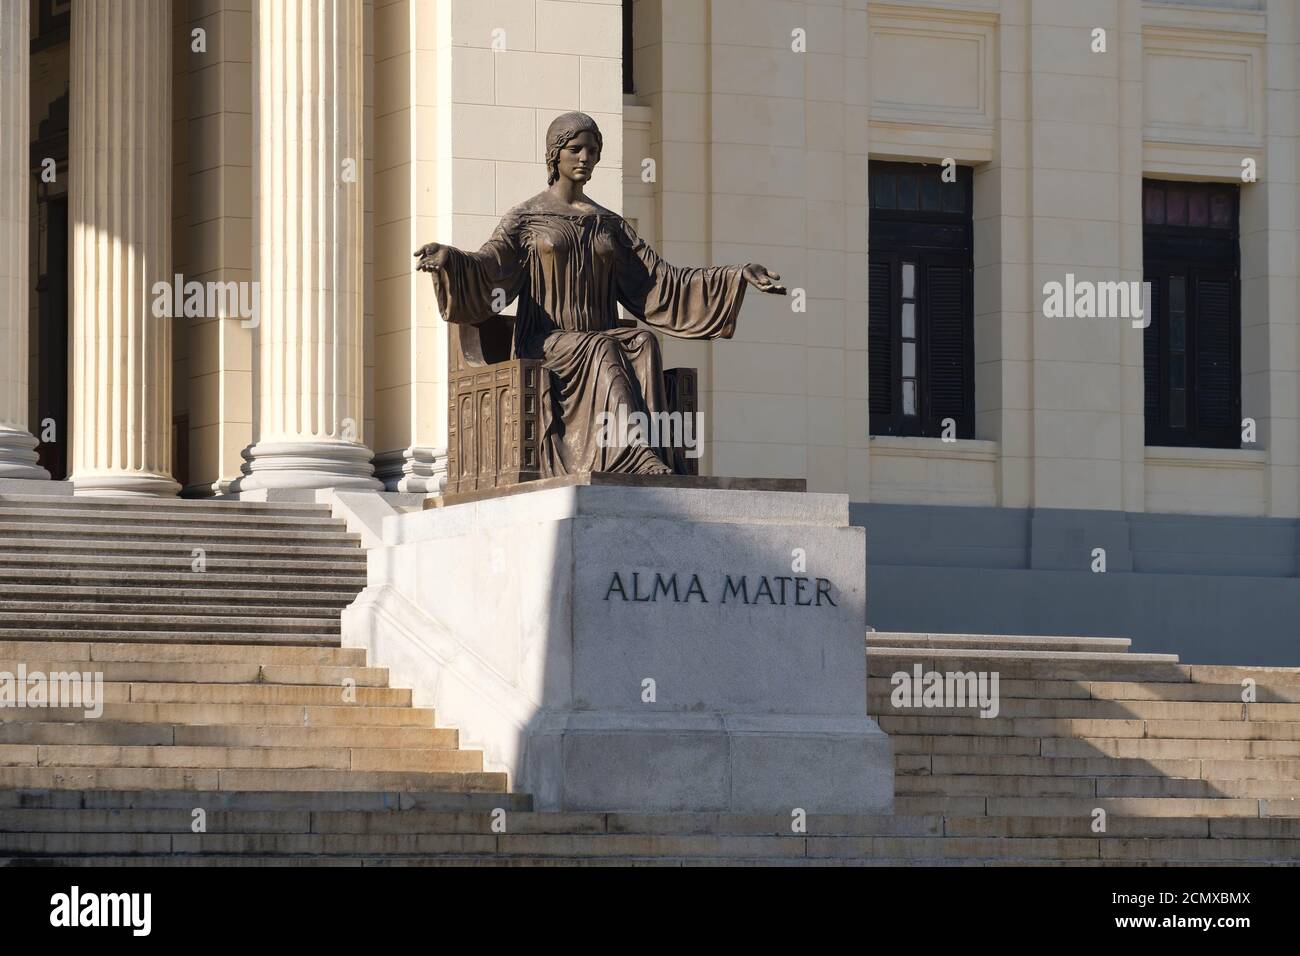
[[309, 160], [17, 454], [120, 215]]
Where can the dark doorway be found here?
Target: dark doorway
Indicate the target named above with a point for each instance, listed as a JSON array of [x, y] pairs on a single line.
[[52, 362]]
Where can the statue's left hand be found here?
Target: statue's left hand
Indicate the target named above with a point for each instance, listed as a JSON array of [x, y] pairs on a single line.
[[763, 280]]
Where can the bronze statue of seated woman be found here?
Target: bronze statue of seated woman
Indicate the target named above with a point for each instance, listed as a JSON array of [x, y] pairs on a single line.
[[571, 262]]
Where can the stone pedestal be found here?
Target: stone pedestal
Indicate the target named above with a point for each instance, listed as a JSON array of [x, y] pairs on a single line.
[[640, 648]]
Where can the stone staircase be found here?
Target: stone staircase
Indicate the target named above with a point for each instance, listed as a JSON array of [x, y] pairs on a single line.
[[215, 627], [225, 693], [1183, 768]]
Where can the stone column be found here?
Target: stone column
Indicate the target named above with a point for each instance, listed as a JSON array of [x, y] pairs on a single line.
[[308, 218], [17, 454], [120, 216]]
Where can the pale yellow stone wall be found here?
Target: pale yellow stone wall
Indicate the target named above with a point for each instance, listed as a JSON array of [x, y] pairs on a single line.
[[217, 241], [760, 135], [761, 154], [410, 363], [464, 91], [1059, 137]]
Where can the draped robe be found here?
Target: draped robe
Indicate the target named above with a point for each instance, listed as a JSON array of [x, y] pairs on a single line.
[[569, 272]]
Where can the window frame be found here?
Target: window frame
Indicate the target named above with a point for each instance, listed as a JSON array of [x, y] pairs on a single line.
[[1198, 254], [928, 239]]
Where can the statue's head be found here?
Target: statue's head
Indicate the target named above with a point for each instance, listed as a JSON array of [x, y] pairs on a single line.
[[574, 140]]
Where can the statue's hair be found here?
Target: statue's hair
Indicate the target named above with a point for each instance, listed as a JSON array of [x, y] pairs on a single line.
[[562, 129]]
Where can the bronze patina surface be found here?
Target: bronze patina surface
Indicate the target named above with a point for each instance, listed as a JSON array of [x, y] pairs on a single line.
[[626, 481], [570, 263]]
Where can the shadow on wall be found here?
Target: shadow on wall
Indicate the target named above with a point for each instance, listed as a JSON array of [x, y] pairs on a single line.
[[1210, 589]]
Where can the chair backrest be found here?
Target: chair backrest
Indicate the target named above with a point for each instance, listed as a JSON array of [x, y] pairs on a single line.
[[477, 346]]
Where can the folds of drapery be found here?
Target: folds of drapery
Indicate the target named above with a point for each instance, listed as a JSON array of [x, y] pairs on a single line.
[[595, 366], [473, 286], [689, 303]]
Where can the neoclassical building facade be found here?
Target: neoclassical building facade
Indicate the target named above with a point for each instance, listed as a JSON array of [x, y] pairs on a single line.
[[307, 146]]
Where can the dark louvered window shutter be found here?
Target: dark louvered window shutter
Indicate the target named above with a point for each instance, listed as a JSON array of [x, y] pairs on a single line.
[[947, 327], [1215, 394], [880, 339], [1192, 351], [1151, 359], [920, 315]]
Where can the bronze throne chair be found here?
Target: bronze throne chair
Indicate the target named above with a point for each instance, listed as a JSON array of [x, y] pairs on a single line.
[[494, 408]]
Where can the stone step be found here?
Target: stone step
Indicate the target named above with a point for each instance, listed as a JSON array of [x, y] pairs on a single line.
[[764, 849], [217, 677], [1221, 674], [27, 632], [925, 655], [76, 536], [302, 578], [883, 687], [1102, 766], [152, 506], [456, 861], [1081, 807], [205, 598], [576, 846], [1172, 747], [1142, 748], [167, 778], [121, 692], [926, 744], [1265, 690], [147, 692], [161, 692], [1259, 727], [100, 609], [237, 758], [1117, 667], [1098, 786], [1202, 851], [997, 642], [261, 548], [1090, 728], [1117, 827], [295, 800], [295, 715], [89, 569], [1004, 765], [266, 655], [92, 620], [123, 734], [1013, 707], [186, 517]]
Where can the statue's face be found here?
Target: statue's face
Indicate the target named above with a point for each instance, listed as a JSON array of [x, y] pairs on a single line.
[[579, 157]]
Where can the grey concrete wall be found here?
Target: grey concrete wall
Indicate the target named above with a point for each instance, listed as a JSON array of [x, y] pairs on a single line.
[[1214, 590]]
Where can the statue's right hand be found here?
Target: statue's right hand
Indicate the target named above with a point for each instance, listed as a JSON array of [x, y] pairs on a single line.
[[432, 257]]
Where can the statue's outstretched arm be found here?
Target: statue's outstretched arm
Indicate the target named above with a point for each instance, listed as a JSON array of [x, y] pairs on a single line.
[[473, 286], [692, 303]]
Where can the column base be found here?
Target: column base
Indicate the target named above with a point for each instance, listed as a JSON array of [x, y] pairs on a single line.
[[18, 457], [125, 484], [301, 465], [418, 469]]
